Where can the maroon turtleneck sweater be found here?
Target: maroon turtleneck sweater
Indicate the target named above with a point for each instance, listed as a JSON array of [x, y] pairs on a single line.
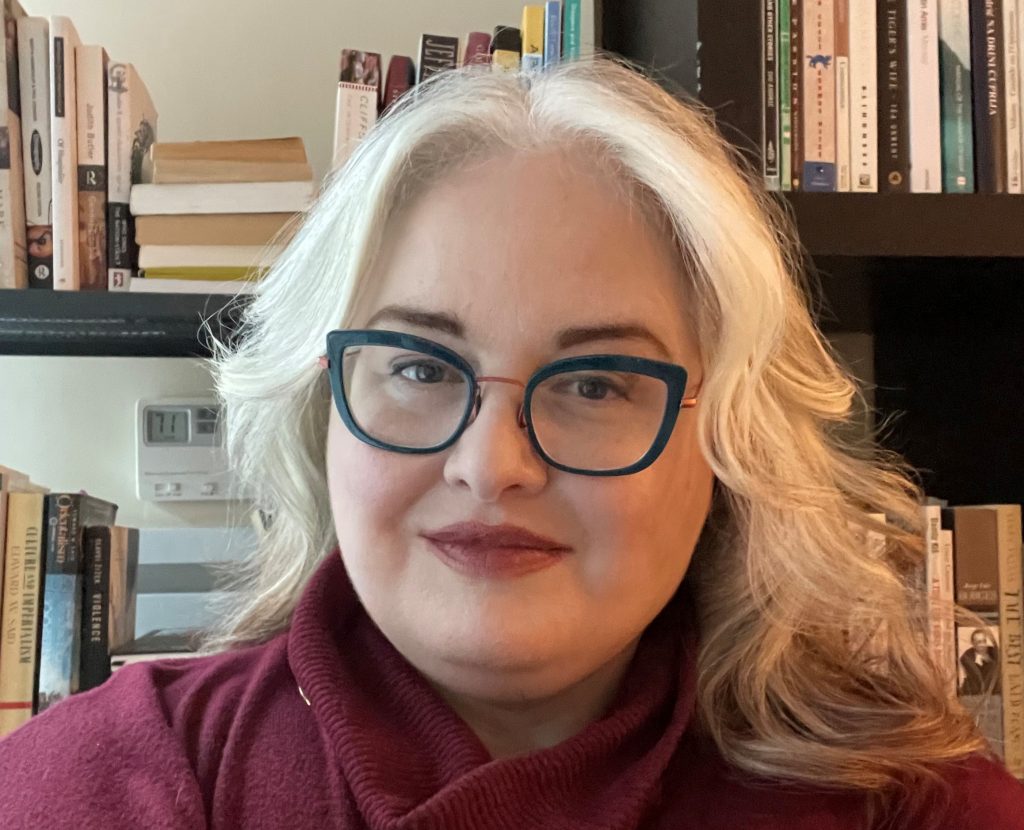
[[230, 741]]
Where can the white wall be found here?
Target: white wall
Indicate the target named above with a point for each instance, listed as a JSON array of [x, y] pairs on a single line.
[[215, 69]]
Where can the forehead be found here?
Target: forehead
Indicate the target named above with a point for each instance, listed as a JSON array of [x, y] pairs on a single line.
[[522, 245]]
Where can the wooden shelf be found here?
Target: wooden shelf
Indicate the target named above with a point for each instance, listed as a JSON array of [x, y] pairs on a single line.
[[108, 324], [910, 224]]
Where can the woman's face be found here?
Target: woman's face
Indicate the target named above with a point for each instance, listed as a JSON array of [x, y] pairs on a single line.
[[518, 250]]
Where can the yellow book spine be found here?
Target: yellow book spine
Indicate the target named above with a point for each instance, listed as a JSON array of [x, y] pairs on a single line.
[[533, 37]]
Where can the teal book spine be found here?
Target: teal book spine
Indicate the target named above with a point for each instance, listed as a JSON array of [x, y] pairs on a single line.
[[956, 94], [571, 22], [782, 31]]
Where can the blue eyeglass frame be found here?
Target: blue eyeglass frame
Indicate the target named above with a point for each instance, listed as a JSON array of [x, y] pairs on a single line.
[[673, 375]]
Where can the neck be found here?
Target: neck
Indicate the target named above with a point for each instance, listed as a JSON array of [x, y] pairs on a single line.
[[512, 728]]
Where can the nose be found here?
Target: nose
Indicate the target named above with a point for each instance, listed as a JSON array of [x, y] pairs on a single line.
[[494, 455]]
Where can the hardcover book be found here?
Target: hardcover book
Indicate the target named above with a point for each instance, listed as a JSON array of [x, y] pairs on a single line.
[[67, 516], [91, 65], [437, 54], [401, 78], [533, 37], [987, 76], [552, 32], [506, 49], [34, 74], [214, 229], [478, 49], [229, 197], [64, 40], [131, 131], [13, 261], [957, 96], [252, 160]]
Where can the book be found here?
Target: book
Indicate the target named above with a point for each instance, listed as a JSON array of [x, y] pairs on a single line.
[[131, 131], [20, 618], [203, 273], [957, 96], [552, 32], [13, 259], [34, 74], [253, 160], [143, 285], [925, 124], [108, 618], [357, 102], [987, 550], [939, 587], [532, 31], [478, 49], [819, 100], [572, 35], [401, 78], [987, 77], [214, 229], [506, 49], [67, 516], [796, 74], [437, 54], [591, 26], [91, 67], [159, 644], [893, 106], [770, 127], [785, 96], [1012, 68], [863, 97], [201, 256], [842, 93], [229, 197], [64, 40]]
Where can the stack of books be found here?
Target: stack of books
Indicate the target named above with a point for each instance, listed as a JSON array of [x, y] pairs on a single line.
[[212, 216]]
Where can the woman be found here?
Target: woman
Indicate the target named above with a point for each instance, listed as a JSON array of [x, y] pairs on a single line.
[[563, 531]]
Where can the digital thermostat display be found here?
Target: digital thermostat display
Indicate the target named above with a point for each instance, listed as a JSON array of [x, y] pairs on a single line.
[[167, 426]]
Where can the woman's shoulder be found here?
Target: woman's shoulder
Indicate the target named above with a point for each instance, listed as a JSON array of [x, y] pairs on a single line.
[[131, 747], [980, 795]]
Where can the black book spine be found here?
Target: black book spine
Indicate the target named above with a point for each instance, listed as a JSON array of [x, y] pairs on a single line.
[[94, 668], [796, 72], [770, 143], [987, 68], [893, 98]]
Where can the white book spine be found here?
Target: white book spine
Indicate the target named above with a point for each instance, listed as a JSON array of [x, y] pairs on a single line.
[[91, 66], [939, 592], [923, 89], [119, 174], [355, 114], [1012, 46], [1020, 78], [818, 95], [13, 264], [863, 97], [34, 71], [948, 657], [64, 148], [843, 110], [590, 39]]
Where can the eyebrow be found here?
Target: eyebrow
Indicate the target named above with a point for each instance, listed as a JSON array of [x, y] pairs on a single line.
[[450, 324]]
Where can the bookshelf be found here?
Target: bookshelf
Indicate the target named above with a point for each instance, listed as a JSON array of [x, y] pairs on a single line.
[[938, 281], [112, 324]]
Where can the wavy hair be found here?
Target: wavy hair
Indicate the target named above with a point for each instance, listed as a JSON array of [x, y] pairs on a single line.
[[792, 685]]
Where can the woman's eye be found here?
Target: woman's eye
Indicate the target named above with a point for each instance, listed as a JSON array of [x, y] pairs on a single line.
[[421, 372]]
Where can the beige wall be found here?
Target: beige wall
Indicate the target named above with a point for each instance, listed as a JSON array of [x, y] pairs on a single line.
[[215, 69]]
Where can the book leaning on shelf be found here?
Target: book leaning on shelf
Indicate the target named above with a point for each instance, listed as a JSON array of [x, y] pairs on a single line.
[[13, 262]]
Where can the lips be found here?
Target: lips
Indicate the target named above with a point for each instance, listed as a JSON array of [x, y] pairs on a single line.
[[481, 550]]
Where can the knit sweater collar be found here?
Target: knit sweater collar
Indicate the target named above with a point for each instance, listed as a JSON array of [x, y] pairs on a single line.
[[409, 761]]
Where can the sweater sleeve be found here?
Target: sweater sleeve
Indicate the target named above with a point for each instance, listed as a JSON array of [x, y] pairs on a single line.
[[106, 758], [982, 796]]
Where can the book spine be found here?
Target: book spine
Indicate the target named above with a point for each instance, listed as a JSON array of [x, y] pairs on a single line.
[[948, 656], [957, 96], [1012, 63], [552, 32], [796, 75], [120, 229], [863, 96], [782, 54], [842, 93], [819, 100], [34, 69], [590, 26], [91, 65], [94, 666], [357, 102], [923, 96], [13, 262], [439, 53], [400, 79], [1011, 614], [893, 129], [990, 173], [938, 578], [571, 29], [64, 149], [770, 107], [19, 625], [533, 37]]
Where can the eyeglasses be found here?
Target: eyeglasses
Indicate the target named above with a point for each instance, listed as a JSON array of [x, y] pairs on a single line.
[[598, 415]]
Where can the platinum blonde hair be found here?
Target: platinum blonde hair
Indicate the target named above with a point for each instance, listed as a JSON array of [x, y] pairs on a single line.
[[787, 589]]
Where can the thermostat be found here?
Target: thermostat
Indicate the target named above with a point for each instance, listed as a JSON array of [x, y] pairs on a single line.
[[180, 451]]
